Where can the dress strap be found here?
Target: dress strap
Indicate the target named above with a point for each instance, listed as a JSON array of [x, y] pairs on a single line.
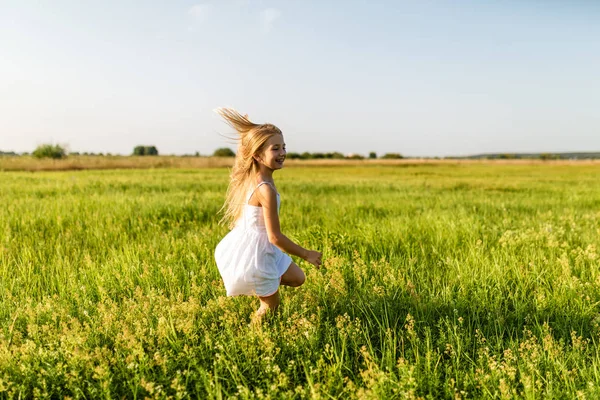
[[257, 186]]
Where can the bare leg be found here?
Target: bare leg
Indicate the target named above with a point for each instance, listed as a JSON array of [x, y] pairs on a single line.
[[268, 304], [294, 276]]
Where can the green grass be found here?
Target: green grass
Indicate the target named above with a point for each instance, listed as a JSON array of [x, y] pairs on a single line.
[[441, 281]]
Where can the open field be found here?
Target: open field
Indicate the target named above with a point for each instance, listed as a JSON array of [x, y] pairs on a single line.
[[442, 280], [29, 163]]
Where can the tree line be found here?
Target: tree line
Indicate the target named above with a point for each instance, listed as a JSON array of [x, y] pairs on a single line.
[[56, 151], [336, 155]]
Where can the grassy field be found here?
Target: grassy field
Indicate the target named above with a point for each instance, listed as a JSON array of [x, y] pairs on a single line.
[[441, 281], [30, 163], [78, 162]]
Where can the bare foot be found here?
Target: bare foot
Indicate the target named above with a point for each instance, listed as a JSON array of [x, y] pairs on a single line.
[[261, 315], [258, 317]]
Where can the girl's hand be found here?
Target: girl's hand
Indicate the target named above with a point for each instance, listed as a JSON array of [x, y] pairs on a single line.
[[314, 257]]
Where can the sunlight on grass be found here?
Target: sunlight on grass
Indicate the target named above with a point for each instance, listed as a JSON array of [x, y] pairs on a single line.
[[447, 281]]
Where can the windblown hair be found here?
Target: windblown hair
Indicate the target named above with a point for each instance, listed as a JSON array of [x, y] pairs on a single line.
[[251, 139]]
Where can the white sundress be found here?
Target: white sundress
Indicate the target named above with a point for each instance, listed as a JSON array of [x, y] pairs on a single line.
[[248, 263]]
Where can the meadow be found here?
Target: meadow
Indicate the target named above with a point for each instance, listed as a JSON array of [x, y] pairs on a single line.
[[449, 280]]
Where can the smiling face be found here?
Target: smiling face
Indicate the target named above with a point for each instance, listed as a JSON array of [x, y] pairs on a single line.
[[273, 154]]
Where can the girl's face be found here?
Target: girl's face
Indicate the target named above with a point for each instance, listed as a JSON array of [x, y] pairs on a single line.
[[273, 154]]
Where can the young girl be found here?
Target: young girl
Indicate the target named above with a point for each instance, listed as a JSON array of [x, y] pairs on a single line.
[[251, 257]]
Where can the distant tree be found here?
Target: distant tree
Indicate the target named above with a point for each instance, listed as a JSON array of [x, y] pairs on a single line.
[[49, 151], [197, 154], [392, 156], [151, 151], [372, 155], [549, 156], [507, 156], [224, 152], [310, 156], [74, 153], [145, 151], [334, 155]]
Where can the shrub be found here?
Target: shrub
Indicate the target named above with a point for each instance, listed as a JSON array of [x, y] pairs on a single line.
[[49, 151], [309, 156], [224, 152], [145, 151], [507, 156], [549, 156], [336, 155], [151, 151], [395, 156], [372, 155]]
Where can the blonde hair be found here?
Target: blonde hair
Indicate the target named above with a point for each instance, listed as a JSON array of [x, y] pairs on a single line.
[[251, 139]]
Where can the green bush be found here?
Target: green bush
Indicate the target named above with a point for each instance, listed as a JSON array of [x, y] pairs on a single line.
[[49, 151], [224, 152], [549, 156], [507, 156], [335, 155], [145, 151], [396, 156]]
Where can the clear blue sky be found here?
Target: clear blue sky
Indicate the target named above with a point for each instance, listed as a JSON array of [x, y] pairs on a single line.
[[422, 77]]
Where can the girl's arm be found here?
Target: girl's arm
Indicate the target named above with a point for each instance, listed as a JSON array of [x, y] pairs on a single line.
[[267, 197]]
